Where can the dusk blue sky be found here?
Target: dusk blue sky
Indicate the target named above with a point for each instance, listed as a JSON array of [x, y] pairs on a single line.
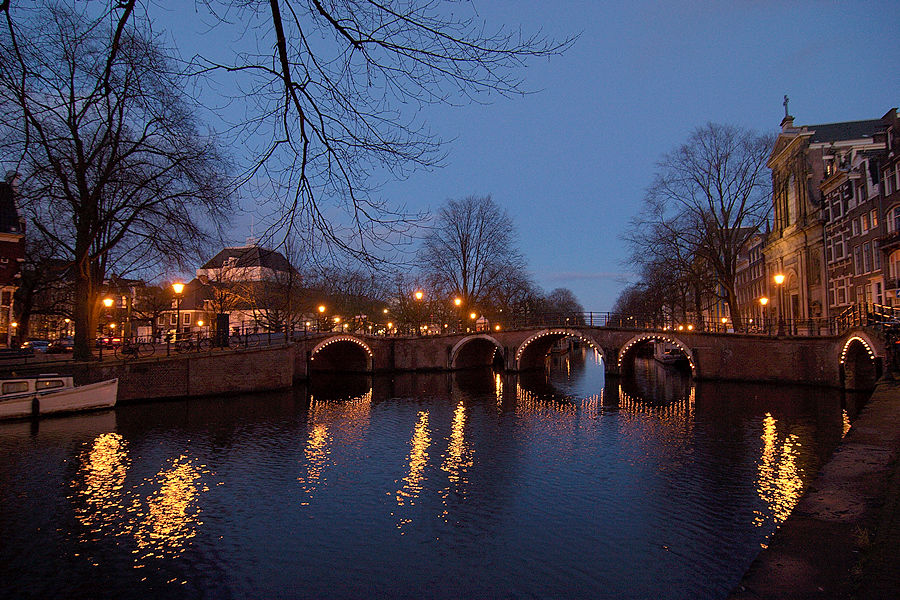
[[572, 161]]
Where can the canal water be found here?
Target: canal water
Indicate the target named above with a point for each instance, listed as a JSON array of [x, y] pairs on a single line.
[[468, 485]]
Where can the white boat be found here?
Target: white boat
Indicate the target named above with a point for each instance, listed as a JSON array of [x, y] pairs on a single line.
[[49, 394]]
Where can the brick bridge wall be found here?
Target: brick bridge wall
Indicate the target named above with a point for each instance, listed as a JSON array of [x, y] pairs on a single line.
[[855, 357]]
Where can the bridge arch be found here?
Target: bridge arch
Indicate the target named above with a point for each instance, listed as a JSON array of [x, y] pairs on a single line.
[[627, 349], [475, 351], [341, 353], [534, 350], [860, 363]]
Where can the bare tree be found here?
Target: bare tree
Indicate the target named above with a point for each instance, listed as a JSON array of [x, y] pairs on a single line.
[[335, 98], [471, 250], [93, 115], [708, 198]]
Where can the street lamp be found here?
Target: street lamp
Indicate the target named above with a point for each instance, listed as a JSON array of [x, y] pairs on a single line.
[[419, 296], [321, 317], [177, 288], [764, 301], [458, 303], [779, 281]]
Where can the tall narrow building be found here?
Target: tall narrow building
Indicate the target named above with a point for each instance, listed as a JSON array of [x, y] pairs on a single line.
[[809, 241]]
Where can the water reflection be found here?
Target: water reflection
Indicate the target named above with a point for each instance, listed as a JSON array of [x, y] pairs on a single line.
[[780, 482], [417, 459], [344, 413], [100, 498], [160, 521], [171, 516], [471, 484]]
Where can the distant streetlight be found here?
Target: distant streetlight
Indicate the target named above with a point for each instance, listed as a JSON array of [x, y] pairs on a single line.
[[765, 314], [177, 288], [779, 281], [419, 295]]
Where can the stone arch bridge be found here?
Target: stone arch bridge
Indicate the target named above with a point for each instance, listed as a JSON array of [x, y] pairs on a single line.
[[853, 360]]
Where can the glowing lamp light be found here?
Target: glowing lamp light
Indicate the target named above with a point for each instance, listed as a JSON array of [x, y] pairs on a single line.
[[178, 287], [107, 302], [321, 309], [779, 279], [763, 300], [473, 315], [457, 301], [419, 295]]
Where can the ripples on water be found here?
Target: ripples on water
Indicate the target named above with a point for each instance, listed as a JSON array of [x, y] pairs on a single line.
[[442, 486]]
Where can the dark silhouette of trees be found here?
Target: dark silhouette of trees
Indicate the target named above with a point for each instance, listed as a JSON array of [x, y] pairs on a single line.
[[708, 198], [92, 113], [471, 250]]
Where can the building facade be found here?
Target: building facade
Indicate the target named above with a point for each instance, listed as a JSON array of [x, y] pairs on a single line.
[[12, 255], [821, 202]]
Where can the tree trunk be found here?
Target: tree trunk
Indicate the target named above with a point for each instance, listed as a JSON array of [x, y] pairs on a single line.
[[85, 312]]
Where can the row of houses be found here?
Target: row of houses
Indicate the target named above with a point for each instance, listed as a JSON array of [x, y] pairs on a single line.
[[835, 232]]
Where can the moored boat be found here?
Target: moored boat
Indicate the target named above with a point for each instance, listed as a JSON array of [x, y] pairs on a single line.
[[49, 394]]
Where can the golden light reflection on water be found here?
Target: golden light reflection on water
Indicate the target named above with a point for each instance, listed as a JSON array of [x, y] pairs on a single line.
[[161, 523], [172, 514], [317, 450], [102, 476], [846, 422], [779, 483], [458, 458], [326, 417], [418, 459]]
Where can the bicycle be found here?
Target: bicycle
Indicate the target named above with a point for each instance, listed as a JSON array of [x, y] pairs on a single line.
[[248, 340], [189, 345], [134, 349]]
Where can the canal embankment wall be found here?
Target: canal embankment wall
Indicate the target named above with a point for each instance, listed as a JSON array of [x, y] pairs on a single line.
[[842, 540]]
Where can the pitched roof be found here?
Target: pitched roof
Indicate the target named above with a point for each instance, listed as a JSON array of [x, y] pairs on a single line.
[[250, 256], [850, 130]]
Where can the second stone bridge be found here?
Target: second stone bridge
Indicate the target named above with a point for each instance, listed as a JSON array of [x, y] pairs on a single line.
[[853, 360]]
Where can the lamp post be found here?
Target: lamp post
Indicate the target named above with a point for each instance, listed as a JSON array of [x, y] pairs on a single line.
[[321, 317], [419, 295], [779, 281], [765, 317], [458, 303], [177, 288]]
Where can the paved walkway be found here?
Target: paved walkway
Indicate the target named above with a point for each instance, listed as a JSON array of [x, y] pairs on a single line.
[[842, 541]]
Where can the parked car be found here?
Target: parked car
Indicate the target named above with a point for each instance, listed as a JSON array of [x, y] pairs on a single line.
[[36, 345], [62, 345], [109, 342]]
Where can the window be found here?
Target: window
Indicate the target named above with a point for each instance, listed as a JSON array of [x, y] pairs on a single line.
[[173, 319], [857, 260], [186, 319], [855, 227], [867, 260], [15, 387], [49, 384], [879, 297], [873, 219], [894, 264]]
